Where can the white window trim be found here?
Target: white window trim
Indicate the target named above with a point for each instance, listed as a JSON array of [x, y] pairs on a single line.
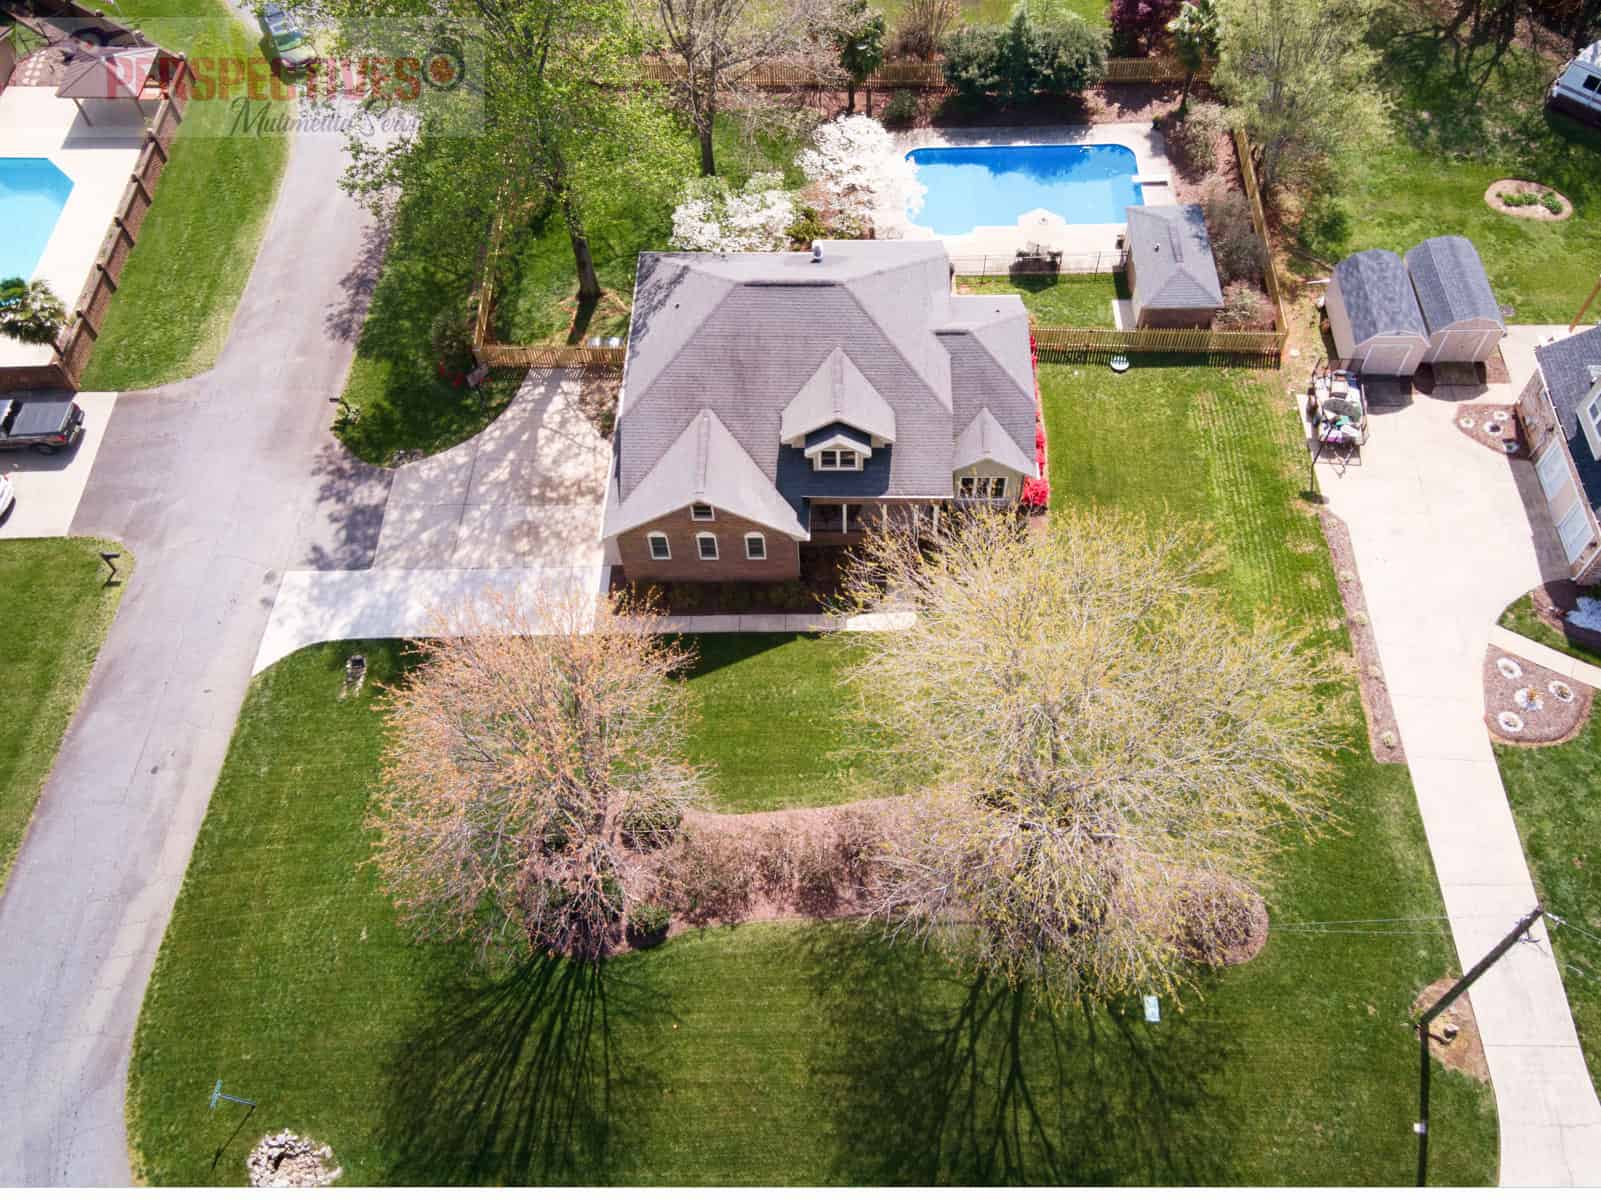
[[984, 487], [700, 547], [711, 512], [667, 545], [857, 461], [761, 540]]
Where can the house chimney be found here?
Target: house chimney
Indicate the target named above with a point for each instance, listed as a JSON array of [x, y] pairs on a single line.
[[817, 251]]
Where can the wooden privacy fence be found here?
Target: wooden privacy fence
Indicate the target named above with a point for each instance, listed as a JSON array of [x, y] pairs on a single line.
[[497, 355], [1242, 150], [928, 76], [67, 364]]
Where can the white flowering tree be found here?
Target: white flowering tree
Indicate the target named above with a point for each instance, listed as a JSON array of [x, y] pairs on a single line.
[[862, 182], [716, 217]]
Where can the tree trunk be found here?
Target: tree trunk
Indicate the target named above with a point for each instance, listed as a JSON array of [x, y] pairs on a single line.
[[588, 281], [708, 164], [1184, 96], [850, 96]]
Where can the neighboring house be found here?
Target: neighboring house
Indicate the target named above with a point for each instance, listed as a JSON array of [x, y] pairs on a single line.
[[772, 401], [1577, 89], [1374, 315], [1459, 310], [1171, 273], [1560, 408]]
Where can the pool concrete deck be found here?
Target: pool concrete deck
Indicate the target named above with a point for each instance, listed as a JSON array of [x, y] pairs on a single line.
[[1080, 244], [98, 159]]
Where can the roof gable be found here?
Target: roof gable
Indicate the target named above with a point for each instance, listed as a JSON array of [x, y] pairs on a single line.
[[839, 393], [1565, 366], [1173, 263], [1448, 277], [1378, 297], [985, 441]]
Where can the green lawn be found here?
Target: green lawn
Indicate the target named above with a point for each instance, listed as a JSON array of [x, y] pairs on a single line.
[[183, 281], [1519, 618], [1452, 140], [1072, 300], [796, 1054], [55, 611], [775, 724], [429, 267], [1553, 791]]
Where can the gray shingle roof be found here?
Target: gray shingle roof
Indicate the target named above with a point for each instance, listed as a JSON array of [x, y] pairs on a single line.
[[1566, 367], [1450, 283], [1173, 264], [741, 335], [1378, 296]]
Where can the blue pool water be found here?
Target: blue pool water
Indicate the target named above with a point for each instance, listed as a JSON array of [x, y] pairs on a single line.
[[969, 186], [32, 194]]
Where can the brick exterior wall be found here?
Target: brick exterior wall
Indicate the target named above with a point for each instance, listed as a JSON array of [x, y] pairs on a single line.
[[686, 565]]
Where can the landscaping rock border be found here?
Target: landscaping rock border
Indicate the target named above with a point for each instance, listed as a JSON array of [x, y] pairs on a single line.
[[1384, 739], [1527, 212], [1564, 706], [1482, 415]]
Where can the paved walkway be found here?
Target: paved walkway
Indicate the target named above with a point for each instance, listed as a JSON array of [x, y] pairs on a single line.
[[1443, 545], [1543, 655], [215, 484]]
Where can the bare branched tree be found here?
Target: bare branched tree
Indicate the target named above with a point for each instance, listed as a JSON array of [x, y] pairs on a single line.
[[715, 45], [532, 774], [1118, 759]]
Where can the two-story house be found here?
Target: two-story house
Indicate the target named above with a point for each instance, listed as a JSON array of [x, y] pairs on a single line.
[[1560, 408], [775, 400]]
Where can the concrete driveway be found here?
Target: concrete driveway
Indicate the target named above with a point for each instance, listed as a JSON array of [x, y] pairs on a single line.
[[1446, 534], [49, 487], [527, 490]]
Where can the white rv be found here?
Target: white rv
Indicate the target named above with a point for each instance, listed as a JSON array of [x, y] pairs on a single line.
[[1578, 89]]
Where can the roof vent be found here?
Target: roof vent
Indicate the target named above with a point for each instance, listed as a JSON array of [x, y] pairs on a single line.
[[817, 251]]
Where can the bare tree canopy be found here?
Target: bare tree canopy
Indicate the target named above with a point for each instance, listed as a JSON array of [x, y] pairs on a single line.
[[532, 770], [1119, 760], [716, 43]]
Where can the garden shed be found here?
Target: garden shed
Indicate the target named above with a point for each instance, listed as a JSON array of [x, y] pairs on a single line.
[[1374, 315], [1459, 309], [1171, 273]]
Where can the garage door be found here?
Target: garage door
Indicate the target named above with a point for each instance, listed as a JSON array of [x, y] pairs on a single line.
[[1387, 359], [1574, 530]]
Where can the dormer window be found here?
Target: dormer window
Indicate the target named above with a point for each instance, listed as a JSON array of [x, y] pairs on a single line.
[[838, 460], [702, 512]]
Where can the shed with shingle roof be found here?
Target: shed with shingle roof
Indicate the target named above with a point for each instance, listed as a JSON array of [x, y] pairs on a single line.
[[1171, 272], [1374, 315], [1459, 310]]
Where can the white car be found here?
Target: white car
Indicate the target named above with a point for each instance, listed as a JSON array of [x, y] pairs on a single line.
[[8, 495]]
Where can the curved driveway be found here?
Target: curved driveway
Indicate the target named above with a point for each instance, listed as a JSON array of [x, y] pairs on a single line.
[[215, 484]]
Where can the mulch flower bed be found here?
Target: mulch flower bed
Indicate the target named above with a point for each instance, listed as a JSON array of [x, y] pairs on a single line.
[[1454, 1040], [1383, 737], [1529, 212], [1527, 705], [1492, 426]]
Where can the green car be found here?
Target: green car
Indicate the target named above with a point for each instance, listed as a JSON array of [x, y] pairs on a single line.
[[291, 49]]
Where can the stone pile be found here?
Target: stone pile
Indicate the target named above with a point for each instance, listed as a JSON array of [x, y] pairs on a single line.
[[285, 1159]]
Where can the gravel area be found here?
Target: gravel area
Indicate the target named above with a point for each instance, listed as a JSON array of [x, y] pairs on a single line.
[[1383, 737], [1527, 705], [1493, 426]]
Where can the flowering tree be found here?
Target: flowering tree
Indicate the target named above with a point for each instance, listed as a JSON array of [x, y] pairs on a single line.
[[1137, 24], [532, 775], [716, 217], [860, 179], [1118, 759]]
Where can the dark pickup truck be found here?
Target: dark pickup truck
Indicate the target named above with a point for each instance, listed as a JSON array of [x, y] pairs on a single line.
[[45, 425]]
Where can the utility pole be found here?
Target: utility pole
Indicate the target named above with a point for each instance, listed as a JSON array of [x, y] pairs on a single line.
[[1588, 300], [1440, 1005]]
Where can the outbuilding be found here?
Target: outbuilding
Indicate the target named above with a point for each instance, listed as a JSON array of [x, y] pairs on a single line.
[[1374, 315], [1172, 276], [1459, 309]]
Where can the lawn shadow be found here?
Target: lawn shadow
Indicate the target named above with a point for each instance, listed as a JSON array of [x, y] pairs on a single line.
[[944, 1077], [725, 650], [521, 1079]]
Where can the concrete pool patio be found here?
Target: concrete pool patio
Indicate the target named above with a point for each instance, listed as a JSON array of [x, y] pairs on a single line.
[[97, 158], [1049, 229]]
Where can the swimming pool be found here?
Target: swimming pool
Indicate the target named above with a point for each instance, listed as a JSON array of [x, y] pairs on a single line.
[[33, 191], [969, 186]]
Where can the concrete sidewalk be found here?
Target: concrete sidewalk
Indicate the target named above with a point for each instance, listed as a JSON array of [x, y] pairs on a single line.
[[1545, 656], [1443, 544]]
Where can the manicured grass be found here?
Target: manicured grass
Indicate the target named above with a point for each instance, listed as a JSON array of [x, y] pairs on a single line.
[[1553, 791], [1519, 618], [55, 610], [177, 297], [1073, 300], [776, 724], [806, 1054], [1452, 140]]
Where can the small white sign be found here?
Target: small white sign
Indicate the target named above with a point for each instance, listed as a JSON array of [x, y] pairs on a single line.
[[1153, 1009]]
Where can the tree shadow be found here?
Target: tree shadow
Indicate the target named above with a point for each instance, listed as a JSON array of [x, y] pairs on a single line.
[[947, 1078], [522, 1079]]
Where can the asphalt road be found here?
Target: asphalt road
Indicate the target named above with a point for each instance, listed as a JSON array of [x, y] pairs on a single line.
[[216, 484]]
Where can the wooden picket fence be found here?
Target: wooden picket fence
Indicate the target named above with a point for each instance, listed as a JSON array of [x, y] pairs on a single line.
[[496, 355], [1242, 149], [1062, 342], [922, 76]]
